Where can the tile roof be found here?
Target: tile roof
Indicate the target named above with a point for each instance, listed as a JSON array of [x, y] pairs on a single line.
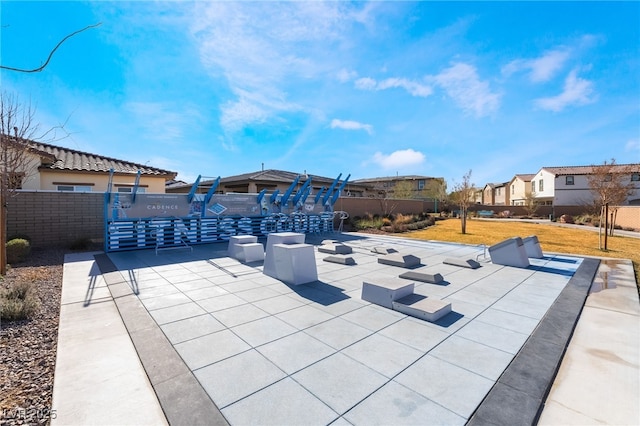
[[71, 159], [585, 170], [393, 178]]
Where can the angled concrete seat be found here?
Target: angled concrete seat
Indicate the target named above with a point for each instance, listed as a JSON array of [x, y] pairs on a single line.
[[383, 250], [463, 263], [532, 247], [422, 277], [335, 248], [343, 260], [401, 260], [510, 252], [295, 263]]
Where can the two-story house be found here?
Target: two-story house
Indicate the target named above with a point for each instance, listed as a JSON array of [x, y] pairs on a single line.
[[569, 186], [520, 190]]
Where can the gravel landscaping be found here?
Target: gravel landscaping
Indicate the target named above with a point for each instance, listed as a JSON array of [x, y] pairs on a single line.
[[28, 347]]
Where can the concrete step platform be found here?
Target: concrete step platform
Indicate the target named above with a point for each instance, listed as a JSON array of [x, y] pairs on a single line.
[[421, 307], [343, 260], [335, 248]]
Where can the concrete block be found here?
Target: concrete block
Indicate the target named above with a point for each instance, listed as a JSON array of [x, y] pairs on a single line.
[[234, 248], [401, 260], [384, 291], [532, 247], [425, 308], [295, 263], [278, 238], [251, 252], [510, 252], [463, 263], [422, 277], [343, 260]]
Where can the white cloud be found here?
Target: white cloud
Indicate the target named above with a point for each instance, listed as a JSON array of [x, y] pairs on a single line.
[[262, 47], [345, 75], [633, 145], [541, 69], [162, 121], [577, 91], [397, 159], [412, 87], [351, 125], [462, 84]]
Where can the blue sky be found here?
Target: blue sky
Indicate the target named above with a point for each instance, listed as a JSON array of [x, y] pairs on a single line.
[[368, 89]]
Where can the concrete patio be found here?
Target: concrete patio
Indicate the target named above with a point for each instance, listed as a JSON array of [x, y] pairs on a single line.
[[200, 338]]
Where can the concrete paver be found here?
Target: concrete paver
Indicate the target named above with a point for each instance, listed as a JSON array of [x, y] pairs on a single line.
[[99, 378], [264, 352]]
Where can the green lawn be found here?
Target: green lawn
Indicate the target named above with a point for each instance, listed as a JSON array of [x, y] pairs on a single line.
[[552, 238]]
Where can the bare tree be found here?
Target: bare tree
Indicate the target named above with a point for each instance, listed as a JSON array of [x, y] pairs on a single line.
[[611, 185], [402, 190], [463, 196], [435, 189], [17, 129], [530, 202]]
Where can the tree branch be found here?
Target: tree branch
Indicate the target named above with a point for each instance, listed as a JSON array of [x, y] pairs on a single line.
[[52, 52]]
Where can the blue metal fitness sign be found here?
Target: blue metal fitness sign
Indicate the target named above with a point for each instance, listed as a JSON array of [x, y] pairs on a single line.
[[142, 221]]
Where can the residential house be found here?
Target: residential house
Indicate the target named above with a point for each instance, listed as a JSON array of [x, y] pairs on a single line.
[[501, 197], [41, 166], [489, 194], [569, 186], [520, 189], [271, 180], [419, 187]]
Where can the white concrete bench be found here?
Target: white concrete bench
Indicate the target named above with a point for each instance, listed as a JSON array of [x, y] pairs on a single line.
[[384, 291], [532, 247], [421, 307], [234, 249], [401, 260], [422, 277], [295, 263], [510, 252], [463, 263], [343, 260]]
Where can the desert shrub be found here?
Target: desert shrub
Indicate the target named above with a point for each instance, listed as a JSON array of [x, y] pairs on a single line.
[[386, 221], [19, 236], [18, 302], [368, 223], [17, 250]]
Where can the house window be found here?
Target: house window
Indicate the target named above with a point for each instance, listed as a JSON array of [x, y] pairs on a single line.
[[635, 177], [130, 189], [513, 189], [541, 185], [420, 184], [74, 188], [568, 180], [533, 186], [499, 190]]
